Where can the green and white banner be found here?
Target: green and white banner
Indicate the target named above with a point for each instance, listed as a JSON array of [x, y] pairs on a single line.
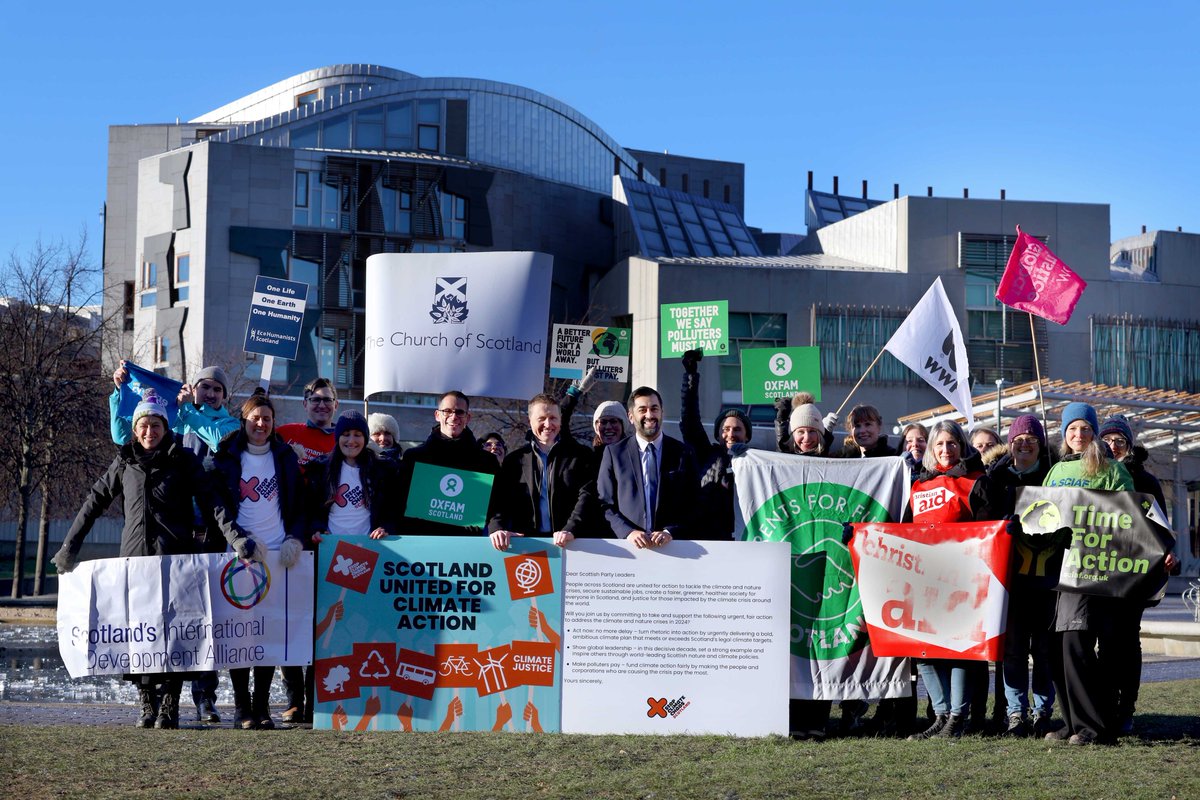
[[450, 496], [769, 373], [804, 501], [695, 326]]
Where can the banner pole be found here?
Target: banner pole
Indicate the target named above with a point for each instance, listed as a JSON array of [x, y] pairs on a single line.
[[860, 380], [1037, 368], [264, 380]]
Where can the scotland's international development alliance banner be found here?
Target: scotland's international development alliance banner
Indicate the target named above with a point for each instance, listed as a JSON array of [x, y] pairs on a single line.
[[805, 501], [475, 322], [181, 613]]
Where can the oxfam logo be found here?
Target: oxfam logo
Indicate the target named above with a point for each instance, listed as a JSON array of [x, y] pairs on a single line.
[[245, 585], [827, 618], [451, 485]]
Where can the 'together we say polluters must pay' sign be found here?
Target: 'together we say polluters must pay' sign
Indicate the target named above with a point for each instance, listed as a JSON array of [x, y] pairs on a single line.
[[695, 326]]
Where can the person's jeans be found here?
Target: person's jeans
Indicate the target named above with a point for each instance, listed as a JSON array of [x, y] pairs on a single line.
[[946, 683], [1028, 632]]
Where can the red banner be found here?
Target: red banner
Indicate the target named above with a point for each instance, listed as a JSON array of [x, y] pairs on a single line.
[[934, 590], [1036, 281]]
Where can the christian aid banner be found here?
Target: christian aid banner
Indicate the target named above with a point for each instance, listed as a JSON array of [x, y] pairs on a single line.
[[475, 322], [1116, 542], [181, 613], [804, 502], [438, 633], [935, 590]]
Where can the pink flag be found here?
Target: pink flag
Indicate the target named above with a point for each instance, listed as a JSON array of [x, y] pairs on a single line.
[[1036, 281]]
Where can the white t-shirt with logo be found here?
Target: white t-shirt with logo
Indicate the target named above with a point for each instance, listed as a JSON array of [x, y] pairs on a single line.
[[258, 510], [348, 513]]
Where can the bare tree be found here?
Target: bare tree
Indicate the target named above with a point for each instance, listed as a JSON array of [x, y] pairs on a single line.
[[50, 336]]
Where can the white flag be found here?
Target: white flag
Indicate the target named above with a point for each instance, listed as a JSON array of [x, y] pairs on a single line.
[[930, 343]]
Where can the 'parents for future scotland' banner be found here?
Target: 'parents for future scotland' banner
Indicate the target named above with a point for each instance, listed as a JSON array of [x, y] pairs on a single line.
[[475, 322], [438, 633], [804, 501], [184, 613], [1118, 544], [934, 590]]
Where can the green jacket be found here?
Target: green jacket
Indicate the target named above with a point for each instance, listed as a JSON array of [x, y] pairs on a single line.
[[1069, 472]]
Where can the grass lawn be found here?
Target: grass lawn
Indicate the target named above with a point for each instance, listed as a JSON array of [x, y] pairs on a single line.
[[1163, 761]]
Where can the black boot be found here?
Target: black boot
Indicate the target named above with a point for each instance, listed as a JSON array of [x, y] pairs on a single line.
[[149, 698], [955, 725], [168, 710], [939, 722]]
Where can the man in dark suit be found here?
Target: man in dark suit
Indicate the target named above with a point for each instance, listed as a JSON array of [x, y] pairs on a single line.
[[648, 483]]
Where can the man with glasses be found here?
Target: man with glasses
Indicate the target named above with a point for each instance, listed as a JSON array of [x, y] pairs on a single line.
[[311, 440], [314, 437], [450, 445]]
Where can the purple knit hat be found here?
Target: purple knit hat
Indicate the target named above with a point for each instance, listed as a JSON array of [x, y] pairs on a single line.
[[1027, 425]]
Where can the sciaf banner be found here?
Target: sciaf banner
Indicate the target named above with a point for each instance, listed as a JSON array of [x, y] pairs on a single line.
[[434, 633], [805, 501], [1117, 541], [934, 590], [469, 321], [183, 613]]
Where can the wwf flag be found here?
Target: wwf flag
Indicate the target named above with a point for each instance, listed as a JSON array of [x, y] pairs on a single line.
[[930, 343], [1116, 542]]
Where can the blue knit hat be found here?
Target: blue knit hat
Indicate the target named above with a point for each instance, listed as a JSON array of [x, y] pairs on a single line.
[[1117, 424], [351, 421], [151, 405], [1080, 411]]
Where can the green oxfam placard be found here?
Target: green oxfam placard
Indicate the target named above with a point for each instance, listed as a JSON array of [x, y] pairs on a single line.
[[695, 326], [769, 373], [452, 496]]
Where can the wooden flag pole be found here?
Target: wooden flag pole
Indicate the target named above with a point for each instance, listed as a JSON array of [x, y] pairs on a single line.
[[1038, 369], [860, 380]]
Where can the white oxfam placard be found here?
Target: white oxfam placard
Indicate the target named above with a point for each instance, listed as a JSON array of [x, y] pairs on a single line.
[[475, 322], [181, 613], [688, 638]]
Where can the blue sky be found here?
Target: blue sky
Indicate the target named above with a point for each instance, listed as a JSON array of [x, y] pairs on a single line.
[[1070, 101]]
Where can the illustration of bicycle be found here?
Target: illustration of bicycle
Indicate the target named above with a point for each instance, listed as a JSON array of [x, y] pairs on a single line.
[[455, 665]]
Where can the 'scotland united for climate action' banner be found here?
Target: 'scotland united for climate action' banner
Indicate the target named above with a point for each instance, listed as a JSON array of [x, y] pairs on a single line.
[[432, 633], [805, 501], [475, 322], [934, 590], [1118, 540], [182, 613]]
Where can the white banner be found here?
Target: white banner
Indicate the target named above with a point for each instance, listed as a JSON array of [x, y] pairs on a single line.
[[804, 501], [184, 613], [687, 638], [475, 322], [930, 343]]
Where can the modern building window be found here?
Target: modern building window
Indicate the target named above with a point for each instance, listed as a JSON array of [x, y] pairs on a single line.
[[727, 194], [851, 336], [149, 282], [306, 98], [1147, 353], [429, 125], [454, 216], [335, 133], [683, 182], [325, 206], [301, 189], [162, 350], [130, 294], [307, 136], [183, 270], [705, 187], [748, 330], [999, 342], [662, 176], [399, 124], [368, 129]]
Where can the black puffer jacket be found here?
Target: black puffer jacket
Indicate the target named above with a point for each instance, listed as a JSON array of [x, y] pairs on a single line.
[[712, 459], [1143, 479], [158, 490], [227, 473]]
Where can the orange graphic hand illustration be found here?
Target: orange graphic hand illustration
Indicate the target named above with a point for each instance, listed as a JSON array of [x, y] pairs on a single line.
[[531, 716], [372, 707], [404, 714], [340, 720], [455, 709], [503, 715]]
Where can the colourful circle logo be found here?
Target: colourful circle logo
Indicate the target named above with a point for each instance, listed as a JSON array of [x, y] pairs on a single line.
[[245, 585]]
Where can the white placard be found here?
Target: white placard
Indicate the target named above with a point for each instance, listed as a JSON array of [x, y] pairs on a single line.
[[475, 322], [688, 638], [182, 613]]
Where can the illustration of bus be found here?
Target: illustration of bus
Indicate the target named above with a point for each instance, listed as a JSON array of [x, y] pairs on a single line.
[[411, 672]]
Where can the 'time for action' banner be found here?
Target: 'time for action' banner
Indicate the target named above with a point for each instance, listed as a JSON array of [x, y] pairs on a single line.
[[1118, 540], [427, 633], [935, 590]]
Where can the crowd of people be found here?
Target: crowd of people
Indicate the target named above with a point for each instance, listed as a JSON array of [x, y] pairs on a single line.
[[209, 481]]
